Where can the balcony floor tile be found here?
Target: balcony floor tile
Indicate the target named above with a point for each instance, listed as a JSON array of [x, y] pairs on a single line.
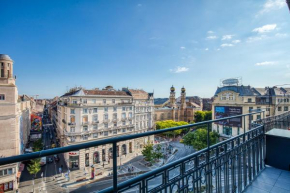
[[271, 180]]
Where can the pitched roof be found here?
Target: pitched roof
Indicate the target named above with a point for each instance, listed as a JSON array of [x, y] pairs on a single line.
[[138, 94], [105, 92]]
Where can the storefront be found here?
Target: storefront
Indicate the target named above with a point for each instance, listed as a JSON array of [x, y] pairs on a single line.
[[7, 186], [74, 160]]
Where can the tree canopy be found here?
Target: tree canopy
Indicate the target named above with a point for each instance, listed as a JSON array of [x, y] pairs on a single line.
[[200, 116], [34, 167], [198, 138], [170, 123]]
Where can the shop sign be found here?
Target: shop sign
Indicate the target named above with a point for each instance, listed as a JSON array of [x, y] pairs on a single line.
[[73, 153]]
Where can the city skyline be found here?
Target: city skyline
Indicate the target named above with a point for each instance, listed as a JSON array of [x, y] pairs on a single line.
[[145, 44]]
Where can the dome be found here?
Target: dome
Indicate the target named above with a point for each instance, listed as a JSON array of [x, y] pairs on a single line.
[[183, 89], [172, 89], [4, 57]]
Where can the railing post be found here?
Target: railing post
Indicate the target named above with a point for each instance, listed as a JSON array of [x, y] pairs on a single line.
[[207, 173], [115, 174]]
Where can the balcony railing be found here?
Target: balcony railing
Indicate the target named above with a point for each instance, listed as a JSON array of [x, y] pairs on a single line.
[[85, 123], [123, 118], [71, 123], [115, 120], [106, 120], [95, 122], [228, 166]]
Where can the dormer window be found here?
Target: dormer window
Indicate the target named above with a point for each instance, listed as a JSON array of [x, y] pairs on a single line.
[[249, 100], [228, 96]]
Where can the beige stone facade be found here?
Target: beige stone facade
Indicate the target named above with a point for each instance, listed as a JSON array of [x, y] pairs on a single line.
[[89, 115], [14, 123], [180, 109], [273, 100]]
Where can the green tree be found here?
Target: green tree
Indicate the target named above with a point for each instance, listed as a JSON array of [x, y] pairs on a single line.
[[157, 154], [37, 145], [170, 123], [147, 152], [199, 116], [198, 138], [208, 115], [34, 167]]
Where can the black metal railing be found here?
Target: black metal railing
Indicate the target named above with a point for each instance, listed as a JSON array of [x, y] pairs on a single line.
[[228, 166]]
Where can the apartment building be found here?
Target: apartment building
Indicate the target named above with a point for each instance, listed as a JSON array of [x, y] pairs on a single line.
[[14, 124], [231, 100], [88, 115]]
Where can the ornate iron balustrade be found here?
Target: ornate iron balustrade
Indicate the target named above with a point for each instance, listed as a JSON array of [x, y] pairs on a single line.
[[228, 166]]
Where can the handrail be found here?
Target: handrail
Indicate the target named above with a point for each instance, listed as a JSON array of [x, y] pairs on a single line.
[[23, 157]]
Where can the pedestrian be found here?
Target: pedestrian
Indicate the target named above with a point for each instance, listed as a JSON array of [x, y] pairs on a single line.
[[60, 170]]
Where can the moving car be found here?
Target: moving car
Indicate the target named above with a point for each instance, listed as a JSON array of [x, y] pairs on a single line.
[[50, 160]]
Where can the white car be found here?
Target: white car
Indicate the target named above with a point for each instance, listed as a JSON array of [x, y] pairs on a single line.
[[43, 161]]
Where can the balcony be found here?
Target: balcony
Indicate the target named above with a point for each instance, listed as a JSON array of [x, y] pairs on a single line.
[[130, 118], [123, 119], [71, 123], [233, 165], [115, 120], [85, 123], [95, 122], [106, 120]]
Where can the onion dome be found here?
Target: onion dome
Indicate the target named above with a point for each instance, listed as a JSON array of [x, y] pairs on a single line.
[[183, 89], [172, 89]]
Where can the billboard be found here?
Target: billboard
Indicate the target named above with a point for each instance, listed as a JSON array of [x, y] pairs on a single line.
[[36, 124], [225, 111]]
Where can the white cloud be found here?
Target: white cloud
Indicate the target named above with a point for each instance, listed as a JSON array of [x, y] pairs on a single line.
[[206, 49], [139, 5], [211, 37], [210, 32], [266, 63], [265, 28], [236, 41], [182, 47], [256, 38], [272, 5], [179, 69], [281, 35], [227, 45], [227, 37]]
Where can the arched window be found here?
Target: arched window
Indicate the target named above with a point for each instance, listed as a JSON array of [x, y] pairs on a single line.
[[162, 116], [96, 157], [176, 115], [72, 119], [124, 149], [168, 116]]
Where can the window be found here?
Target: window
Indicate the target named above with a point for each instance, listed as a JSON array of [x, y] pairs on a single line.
[[106, 109], [268, 109], [104, 101], [249, 100], [72, 129], [106, 117], [8, 171], [106, 133], [124, 130], [95, 110], [250, 109], [85, 119], [115, 109], [115, 116], [130, 115], [85, 111], [123, 123], [106, 125], [130, 122], [95, 118], [72, 111], [94, 101], [85, 137], [85, 128], [95, 127], [258, 116], [285, 108], [130, 108], [115, 132], [87, 160], [95, 135], [115, 124], [75, 101], [279, 109], [113, 101], [2, 97], [123, 108], [85, 101], [72, 139], [123, 115]]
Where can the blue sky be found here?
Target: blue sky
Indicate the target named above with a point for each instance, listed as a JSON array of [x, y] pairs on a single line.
[[145, 44]]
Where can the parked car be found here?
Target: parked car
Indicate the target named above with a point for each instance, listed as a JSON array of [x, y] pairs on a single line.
[[56, 158]]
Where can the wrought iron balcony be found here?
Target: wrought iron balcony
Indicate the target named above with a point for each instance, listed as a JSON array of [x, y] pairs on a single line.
[[71, 123], [123, 118], [95, 122], [106, 120], [228, 166], [115, 120], [85, 123]]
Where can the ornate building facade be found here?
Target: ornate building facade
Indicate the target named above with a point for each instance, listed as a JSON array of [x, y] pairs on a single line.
[[177, 109]]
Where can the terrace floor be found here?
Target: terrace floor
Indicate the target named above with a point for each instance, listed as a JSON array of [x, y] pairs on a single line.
[[271, 180]]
